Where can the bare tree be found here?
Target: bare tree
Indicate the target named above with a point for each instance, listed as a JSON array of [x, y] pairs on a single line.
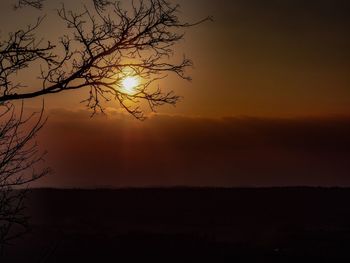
[[102, 46], [19, 154], [19, 157]]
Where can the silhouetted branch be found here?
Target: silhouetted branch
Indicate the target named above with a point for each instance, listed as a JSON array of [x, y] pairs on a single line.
[[38, 4], [33, 3], [102, 47], [19, 157]]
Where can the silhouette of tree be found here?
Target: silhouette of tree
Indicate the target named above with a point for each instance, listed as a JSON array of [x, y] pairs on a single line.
[[19, 157], [102, 45], [19, 154]]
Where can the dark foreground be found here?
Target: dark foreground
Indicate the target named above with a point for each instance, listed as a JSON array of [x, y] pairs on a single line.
[[176, 225]]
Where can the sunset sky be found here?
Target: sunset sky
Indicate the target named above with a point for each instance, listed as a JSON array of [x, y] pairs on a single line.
[[269, 104]]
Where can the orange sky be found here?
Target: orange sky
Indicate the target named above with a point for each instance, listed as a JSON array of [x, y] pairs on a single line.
[[269, 104], [286, 58]]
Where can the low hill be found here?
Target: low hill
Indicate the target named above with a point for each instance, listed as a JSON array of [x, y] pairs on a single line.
[[274, 224]]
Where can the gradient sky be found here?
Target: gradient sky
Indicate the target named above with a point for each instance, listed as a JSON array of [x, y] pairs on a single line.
[[269, 104]]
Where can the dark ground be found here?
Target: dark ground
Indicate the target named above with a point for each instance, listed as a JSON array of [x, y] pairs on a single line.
[[176, 225]]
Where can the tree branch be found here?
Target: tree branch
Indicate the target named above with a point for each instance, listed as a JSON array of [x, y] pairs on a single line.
[[101, 48]]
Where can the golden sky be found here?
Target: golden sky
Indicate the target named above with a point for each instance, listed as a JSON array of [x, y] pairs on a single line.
[[279, 58], [269, 103]]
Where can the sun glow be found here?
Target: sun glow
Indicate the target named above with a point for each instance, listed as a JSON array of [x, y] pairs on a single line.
[[129, 84]]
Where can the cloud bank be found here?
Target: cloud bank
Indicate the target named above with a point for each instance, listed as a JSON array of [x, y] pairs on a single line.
[[115, 151]]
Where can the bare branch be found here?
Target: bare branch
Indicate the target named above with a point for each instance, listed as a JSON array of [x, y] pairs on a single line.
[[19, 157], [101, 48], [38, 4]]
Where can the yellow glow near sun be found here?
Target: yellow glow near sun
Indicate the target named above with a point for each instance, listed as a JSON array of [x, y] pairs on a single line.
[[129, 84]]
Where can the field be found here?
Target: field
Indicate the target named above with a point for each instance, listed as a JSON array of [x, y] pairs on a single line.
[[173, 225]]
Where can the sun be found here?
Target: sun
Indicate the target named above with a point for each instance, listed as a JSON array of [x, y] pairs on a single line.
[[129, 84]]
